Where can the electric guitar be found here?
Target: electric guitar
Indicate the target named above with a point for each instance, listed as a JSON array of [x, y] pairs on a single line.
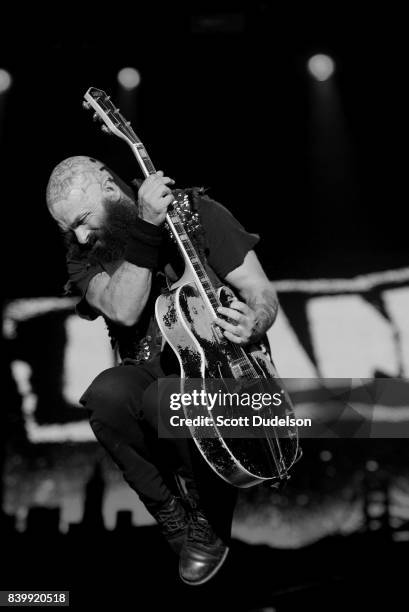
[[186, 316]]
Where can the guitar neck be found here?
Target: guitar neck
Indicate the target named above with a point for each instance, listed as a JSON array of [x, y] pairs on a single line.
[[115, 123], [178, 230], [142, 156]]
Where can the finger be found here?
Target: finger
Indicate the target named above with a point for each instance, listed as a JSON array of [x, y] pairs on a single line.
[[167, 180], [164, 179], [229, 312], [234, 329], [241, 306], [234, 338], [159, 184], [160, 190], [164, 190]]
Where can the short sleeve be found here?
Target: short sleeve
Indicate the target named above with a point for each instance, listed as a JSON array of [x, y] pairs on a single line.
[[80, 273], [227, 241]]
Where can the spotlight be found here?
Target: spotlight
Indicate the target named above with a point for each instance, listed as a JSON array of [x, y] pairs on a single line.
[[325, 455], [129, 78], [5, 80], [372, 465], [321, 66]]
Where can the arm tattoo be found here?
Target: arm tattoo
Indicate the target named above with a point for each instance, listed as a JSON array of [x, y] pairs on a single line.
[[265, 306]]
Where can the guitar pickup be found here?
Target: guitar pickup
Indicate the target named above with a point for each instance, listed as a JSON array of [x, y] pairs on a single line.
[[236, 370]]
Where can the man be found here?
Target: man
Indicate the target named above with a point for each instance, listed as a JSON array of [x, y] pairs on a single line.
[[118, 252]]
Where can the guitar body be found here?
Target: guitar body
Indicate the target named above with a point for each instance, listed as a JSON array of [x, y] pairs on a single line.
[[188, 327]]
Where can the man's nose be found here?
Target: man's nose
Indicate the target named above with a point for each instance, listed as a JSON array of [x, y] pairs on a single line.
[[82, 234]]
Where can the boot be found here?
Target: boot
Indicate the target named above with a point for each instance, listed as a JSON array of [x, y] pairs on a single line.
[[172, 519], [203, 552]]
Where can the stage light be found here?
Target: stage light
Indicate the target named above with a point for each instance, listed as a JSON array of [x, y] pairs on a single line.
[[321, 66], [372, 465], [325, 455], [129, 78], [5, 80]]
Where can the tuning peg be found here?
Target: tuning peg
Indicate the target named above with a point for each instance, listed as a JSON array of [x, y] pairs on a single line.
[[95, 117], [105, 129], [86, 105]]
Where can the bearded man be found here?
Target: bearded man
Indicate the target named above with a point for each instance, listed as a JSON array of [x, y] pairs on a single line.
[[118, 257]]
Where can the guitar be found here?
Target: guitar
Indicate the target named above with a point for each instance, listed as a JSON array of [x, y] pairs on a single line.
[[186, 316]]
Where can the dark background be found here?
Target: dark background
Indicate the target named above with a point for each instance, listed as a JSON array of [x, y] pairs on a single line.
[[319, 172], [225, 101]]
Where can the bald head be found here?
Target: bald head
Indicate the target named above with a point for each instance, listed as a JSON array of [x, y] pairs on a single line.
[[74, 176]]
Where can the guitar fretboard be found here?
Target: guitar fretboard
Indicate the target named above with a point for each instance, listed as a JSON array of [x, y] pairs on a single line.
[[194, 259], [146, 160]]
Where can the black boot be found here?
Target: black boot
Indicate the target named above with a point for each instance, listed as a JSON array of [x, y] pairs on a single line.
[[203, 553], [173, 521]]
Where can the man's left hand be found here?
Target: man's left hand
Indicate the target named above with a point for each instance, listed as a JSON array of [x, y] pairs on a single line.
[[242, 324]]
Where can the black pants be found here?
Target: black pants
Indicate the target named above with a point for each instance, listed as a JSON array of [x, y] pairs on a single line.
[[123, 412]]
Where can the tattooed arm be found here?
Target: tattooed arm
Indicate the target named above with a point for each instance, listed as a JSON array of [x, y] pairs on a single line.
[[250, 319]]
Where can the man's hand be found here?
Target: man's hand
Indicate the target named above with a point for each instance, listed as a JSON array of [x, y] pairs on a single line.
[[243, 325], [154, 197]]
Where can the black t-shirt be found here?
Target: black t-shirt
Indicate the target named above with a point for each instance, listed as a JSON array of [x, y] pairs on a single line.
[[225, 242]]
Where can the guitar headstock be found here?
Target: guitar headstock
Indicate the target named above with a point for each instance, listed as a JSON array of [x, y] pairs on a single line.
[[110, 117]]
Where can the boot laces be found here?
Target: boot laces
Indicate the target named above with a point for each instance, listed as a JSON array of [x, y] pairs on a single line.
[[171, 518], [200, 529]]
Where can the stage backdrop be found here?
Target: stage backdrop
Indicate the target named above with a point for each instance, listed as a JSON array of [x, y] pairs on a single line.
[[326, 329]]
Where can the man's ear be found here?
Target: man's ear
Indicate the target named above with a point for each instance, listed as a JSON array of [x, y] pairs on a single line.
[[111, 190]]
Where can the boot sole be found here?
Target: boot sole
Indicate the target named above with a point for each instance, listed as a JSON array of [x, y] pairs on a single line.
[[215, 570]]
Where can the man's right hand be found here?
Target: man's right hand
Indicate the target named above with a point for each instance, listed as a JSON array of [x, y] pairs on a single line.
[[154, 197]]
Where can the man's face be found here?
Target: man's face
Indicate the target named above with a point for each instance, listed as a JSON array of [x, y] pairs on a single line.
[[99, 226], [82, 213]]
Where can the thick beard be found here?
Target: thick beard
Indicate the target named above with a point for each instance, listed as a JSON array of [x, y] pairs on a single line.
[[108, 244]]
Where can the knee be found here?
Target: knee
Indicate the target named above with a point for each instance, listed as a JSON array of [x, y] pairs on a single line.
[[109, 396]]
